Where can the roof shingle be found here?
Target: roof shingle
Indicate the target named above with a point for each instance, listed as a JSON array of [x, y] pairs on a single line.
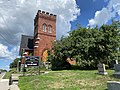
[[26, 42]]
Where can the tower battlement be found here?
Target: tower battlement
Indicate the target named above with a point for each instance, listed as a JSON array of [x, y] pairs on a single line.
[[46, 15]]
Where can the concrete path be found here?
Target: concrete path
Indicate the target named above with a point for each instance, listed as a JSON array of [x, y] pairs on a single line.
[[14, 79], [4, 84], [14, 87]]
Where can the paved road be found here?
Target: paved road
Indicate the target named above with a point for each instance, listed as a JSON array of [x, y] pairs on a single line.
[[4, 83], [1, 75]]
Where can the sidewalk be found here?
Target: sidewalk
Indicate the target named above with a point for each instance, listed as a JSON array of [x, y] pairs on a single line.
[[14, 81], [4, 84], [14, 87]]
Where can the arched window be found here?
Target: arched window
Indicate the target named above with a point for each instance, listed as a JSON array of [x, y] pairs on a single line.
[[44, 27], [50, 29]]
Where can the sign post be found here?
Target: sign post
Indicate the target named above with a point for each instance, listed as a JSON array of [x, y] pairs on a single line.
[[31, 61]]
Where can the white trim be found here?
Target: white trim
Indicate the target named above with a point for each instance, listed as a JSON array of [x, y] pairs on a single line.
[[36, 42], [35, 46], [25, 53], [37, 38]]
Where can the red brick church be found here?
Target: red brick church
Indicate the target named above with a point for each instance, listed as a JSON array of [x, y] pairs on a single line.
[[44, 35]]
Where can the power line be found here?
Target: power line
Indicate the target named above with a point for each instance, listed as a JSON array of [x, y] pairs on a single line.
[[4, 20], [5, 39], [6, 33], [9, 33], [6, 53]]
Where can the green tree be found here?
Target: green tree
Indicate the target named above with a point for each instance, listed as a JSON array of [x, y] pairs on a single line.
[[111, 41], [14, 63], [88, 46]]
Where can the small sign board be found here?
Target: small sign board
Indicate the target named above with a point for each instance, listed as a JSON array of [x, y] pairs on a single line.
[[32, 61]]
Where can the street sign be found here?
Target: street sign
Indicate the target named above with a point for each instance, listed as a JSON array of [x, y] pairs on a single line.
[[32, 61]]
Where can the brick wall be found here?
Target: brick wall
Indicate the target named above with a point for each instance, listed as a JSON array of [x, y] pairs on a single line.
[[43, 40]]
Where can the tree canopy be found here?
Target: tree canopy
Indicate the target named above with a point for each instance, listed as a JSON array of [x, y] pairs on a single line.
[[88, 46], [14, 63]]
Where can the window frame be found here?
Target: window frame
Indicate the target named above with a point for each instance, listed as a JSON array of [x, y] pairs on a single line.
[[49, 28], [44, 27]]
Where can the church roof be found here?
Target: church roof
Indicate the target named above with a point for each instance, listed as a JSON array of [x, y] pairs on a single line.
[[26, 42]]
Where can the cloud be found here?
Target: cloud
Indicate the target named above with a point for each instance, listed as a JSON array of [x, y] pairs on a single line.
[[107, 13], [5, 53], [17, 17]]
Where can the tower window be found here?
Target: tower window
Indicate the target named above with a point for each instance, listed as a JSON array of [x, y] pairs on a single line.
[[44, 27], [50, 29]]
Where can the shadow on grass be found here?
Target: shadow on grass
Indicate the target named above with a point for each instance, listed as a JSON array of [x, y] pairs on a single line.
[[73, 67]]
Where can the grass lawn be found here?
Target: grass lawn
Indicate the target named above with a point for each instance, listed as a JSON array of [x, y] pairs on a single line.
[[7, 75], [67, 80], [12, 71]]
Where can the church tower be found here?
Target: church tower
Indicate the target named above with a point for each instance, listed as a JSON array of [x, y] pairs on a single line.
[[44, 33]]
